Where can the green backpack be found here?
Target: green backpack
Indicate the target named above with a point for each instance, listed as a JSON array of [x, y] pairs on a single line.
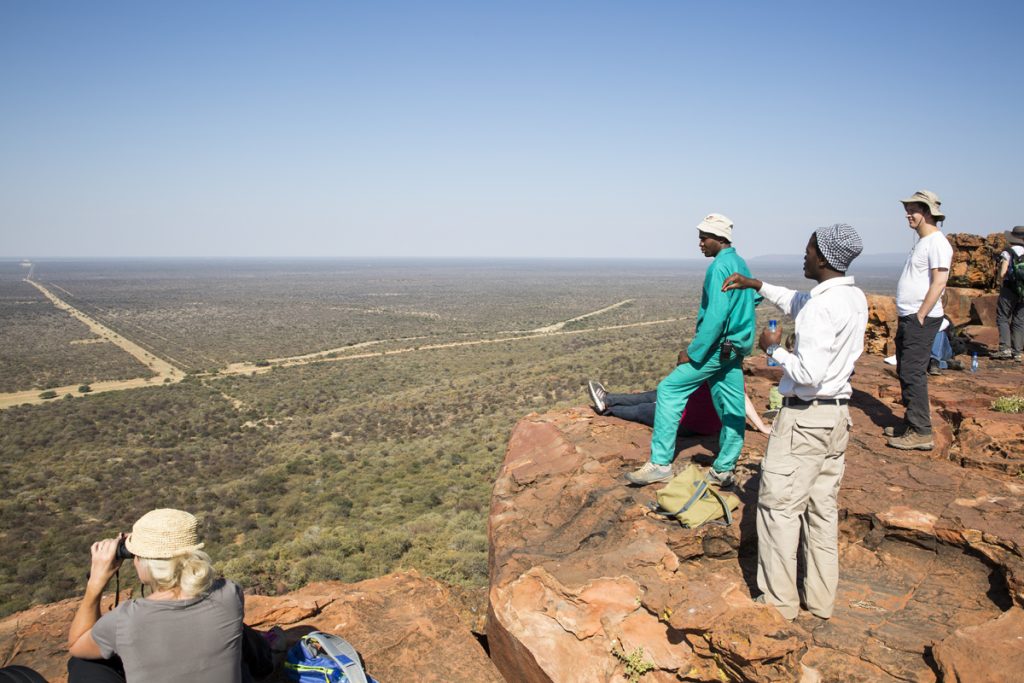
[[692, 501], [1015, 273]]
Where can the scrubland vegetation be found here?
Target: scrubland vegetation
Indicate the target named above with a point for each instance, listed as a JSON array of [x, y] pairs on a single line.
[[337, 470], [36, 349]]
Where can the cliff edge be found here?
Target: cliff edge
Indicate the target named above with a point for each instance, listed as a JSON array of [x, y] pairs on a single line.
[[586, 586]]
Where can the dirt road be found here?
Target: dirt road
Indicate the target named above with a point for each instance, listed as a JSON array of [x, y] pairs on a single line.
[[168, 373]]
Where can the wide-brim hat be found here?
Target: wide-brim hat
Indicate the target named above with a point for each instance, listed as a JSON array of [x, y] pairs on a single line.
[[717, 224], [1015, 236], [929, 199], [163, 534]]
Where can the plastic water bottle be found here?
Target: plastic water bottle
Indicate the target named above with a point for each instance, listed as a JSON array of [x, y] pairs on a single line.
[[773, 325], [974, 362]]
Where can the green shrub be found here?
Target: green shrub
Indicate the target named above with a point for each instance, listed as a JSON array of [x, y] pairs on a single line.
[[1009, 404], [48, 394], [84, 389]]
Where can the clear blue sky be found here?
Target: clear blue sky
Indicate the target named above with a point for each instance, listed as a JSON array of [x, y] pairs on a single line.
[[499, 129]]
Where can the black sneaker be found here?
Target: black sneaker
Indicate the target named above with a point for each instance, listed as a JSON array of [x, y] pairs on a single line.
[[597, 396]]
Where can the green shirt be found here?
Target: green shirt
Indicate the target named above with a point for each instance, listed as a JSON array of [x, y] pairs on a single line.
[[724, 315]]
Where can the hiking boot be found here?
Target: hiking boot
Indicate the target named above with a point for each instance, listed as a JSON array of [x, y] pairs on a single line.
[[649, 474], [934, 368], [1001, 354], [912, 441], [898, 430], [1018, 356], [954, 364], [724, 480], [597, 396]]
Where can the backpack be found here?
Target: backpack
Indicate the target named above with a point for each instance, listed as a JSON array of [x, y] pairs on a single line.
[[324, 658], [1015, 273], [692, 501]]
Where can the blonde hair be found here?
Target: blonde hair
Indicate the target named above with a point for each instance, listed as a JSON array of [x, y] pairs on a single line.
[[192, 573]]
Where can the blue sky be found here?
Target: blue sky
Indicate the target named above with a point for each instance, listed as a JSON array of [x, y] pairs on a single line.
[[499, 129]]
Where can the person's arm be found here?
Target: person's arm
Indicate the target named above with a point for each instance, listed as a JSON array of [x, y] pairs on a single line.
[[808, 362], [938, 277], [104, 563], [789, 301], [1004, 265], [754, 418]]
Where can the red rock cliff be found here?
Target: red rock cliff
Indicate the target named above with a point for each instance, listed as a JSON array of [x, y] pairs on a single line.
[[932, 574]]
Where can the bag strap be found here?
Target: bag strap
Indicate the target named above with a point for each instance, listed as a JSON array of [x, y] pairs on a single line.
[[727, 513], [698, 493]]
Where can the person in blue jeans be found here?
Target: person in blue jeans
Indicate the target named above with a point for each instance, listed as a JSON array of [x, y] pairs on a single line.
[[724, 335]]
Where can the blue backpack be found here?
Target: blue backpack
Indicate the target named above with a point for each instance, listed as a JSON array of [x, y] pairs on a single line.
[[324, 658]]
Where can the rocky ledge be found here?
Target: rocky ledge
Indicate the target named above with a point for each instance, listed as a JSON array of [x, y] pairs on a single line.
[[586, 586], [406, 627]]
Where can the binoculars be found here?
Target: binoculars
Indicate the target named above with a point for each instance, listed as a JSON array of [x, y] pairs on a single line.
[[122, 552]]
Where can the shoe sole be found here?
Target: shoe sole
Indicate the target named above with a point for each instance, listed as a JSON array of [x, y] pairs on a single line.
[[916, 447], [599, 405], [636, 482]]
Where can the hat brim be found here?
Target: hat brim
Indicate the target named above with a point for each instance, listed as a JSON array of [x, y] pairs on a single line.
[[1014, 239], [936, 214]]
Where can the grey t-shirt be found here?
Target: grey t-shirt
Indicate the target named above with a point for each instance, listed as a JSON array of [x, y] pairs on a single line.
[[168, 641]]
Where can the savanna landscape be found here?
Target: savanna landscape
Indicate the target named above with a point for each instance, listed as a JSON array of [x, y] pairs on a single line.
[[331, 419]]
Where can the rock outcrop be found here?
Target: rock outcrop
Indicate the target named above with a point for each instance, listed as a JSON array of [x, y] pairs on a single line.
[[405, 626], [880, 336], [585, 582], [974, 260]]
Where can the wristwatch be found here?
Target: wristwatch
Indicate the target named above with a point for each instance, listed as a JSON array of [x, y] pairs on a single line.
[[771, 349]]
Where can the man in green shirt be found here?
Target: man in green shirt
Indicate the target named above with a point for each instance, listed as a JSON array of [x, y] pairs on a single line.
[[725, 334]]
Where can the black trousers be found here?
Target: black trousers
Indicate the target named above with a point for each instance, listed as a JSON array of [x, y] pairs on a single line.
[[257, 663], [913, 349]]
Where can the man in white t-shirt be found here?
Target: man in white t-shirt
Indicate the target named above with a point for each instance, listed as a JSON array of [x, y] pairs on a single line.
[[1010, 307], [919, 306]]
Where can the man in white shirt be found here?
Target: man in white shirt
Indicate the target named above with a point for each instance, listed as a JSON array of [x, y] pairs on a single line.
[[919, 307], [1010, 307], [804, 462]]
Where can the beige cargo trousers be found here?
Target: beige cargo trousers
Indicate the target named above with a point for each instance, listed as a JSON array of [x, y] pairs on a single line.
[[800, 477]]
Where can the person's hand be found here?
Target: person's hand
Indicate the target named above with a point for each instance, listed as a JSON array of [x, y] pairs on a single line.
[[920, 318], [104, 561], [683, 358], [737, 281], [768, 338]]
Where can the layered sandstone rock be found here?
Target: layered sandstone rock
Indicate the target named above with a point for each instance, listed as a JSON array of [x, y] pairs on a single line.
[[974, 260], [582, 577], [404, 626], [880, 337]]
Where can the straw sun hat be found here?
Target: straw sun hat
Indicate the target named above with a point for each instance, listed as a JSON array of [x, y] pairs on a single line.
[[163, 534]]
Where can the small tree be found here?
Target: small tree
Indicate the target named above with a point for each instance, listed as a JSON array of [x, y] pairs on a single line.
[[84, 389], [48, 394]]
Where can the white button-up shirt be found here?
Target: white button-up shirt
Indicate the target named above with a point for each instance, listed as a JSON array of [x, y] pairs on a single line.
[[830, 324]]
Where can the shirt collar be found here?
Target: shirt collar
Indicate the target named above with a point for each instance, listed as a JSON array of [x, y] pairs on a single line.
[[725, 250], [845, 281]]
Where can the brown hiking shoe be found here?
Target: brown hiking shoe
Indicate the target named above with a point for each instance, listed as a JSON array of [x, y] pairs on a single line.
[[898, 430], [912, 441]]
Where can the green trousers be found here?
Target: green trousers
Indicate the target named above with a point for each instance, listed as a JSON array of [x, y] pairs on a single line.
[[726, 384]]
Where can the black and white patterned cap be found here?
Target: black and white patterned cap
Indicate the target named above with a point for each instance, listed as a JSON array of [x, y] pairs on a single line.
[[839, 244]]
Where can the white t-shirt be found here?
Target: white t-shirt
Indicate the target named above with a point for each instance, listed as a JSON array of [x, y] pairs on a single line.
[[1005, 256], [930, 252]]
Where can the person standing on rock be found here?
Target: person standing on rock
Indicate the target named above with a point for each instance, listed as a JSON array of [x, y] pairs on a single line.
[[919, 307], [725, 334], [1010, 306], [804, 462]]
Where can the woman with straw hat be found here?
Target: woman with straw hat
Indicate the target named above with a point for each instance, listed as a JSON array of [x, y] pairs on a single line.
[[188, 627]]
